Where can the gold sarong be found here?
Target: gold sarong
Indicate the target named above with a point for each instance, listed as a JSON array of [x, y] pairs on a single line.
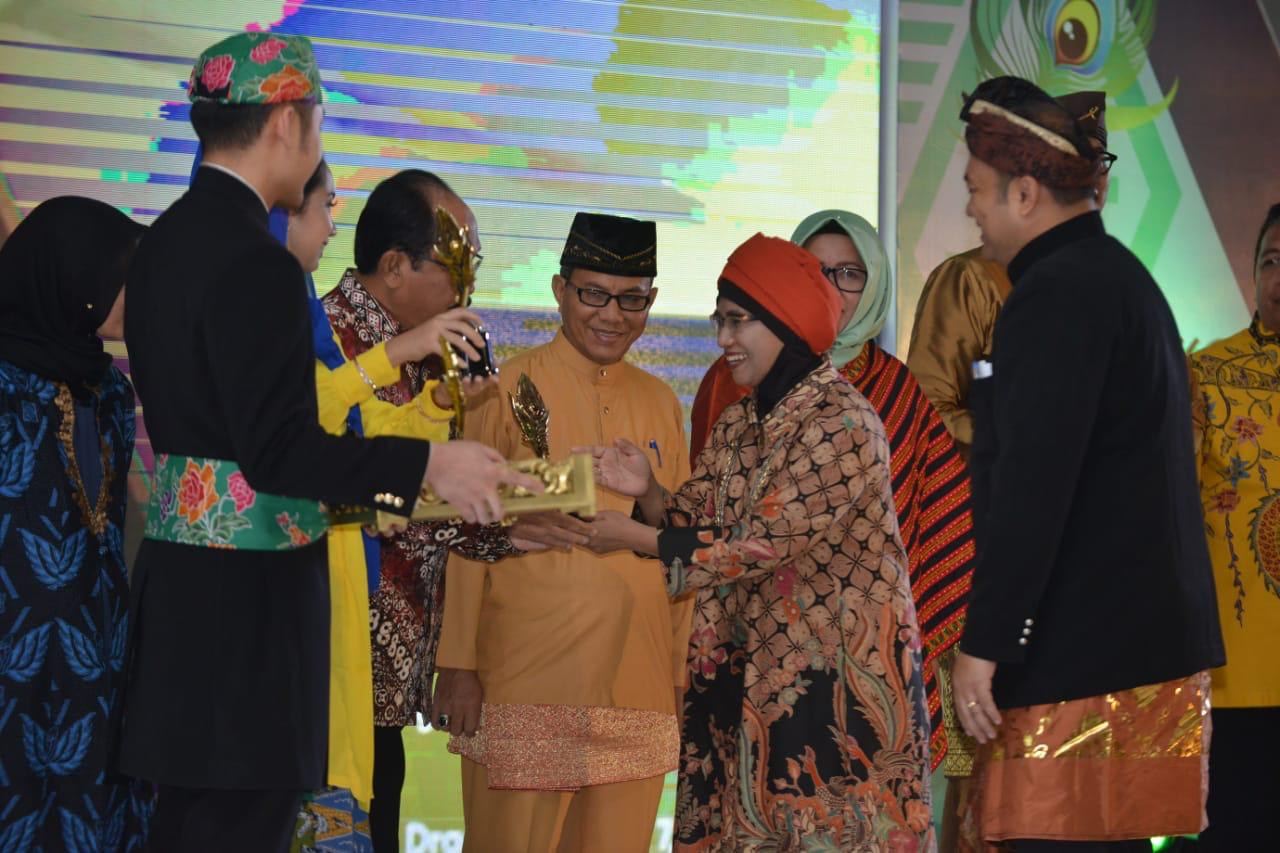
[[1130, 764]]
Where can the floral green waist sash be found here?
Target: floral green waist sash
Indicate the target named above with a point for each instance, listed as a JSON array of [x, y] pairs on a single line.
[[209, 503]]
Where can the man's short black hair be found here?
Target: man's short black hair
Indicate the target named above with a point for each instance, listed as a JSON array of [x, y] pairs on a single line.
[[1073, 195], [399, 215], [1273, 216], [224, 126]]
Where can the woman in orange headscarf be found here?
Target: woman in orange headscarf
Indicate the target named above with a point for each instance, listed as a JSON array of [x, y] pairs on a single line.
[[930, 482], [805, 722]]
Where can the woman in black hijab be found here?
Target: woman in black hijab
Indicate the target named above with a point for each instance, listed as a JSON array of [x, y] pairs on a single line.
[[66, 439]]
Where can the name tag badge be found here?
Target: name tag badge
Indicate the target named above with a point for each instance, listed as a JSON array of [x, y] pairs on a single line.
[[982, 369]]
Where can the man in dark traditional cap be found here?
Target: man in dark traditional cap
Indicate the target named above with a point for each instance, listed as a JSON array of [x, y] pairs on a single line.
[[1092, 619], [227, 703], [575, 655], [954, 327], [956, 314]]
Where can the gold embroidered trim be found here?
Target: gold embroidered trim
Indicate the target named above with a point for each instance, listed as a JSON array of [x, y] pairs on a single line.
[[95, 517], [604, 252], [962, 750], [564, 748], [1164, 720]]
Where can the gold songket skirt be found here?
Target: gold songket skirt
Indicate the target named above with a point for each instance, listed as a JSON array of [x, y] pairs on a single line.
[[1130, 764]]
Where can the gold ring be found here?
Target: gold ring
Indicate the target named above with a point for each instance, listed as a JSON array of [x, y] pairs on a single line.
[[971, 704]]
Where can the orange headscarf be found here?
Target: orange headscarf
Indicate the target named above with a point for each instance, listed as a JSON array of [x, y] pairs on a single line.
[[787, 282]]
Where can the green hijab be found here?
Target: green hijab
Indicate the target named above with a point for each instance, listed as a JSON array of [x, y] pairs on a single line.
[[873, 309]]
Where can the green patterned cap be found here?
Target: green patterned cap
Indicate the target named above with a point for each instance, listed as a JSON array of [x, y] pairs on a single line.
[[256, 68]]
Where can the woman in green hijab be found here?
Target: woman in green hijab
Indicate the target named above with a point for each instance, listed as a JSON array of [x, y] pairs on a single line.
[[930, 482]]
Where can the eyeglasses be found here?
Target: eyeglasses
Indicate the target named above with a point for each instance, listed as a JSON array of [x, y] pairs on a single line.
[[849, 279], [1108, 160], [732, 322], [476, 260], [596, 298], [475, 265]]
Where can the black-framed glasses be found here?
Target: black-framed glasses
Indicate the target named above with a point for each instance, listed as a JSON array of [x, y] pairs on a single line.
[[732, 322], [593, 297], [1108, 160], [848, 278]]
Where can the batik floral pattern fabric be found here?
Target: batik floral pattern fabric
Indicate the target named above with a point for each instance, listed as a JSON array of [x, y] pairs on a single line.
[[256, 68], [805, 725], [64, 624], [210, 504], [405, 612], [1236, 411]]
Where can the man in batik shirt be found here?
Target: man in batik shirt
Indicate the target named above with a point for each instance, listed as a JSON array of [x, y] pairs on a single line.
[[394, 287], [1235, 409]]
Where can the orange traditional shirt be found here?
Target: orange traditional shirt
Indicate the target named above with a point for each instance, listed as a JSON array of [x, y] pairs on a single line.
[[578, 654]]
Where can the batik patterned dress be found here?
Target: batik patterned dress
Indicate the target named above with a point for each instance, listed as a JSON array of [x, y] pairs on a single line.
[[805, 725], [64, 620], [931, 494]]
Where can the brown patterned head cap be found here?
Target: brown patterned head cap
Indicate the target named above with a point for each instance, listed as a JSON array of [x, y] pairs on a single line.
[[1017, 128], [614, 245], [1090, 111]]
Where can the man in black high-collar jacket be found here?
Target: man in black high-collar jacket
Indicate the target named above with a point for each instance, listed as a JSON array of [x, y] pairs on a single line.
[[1093, 576], [227, 703]]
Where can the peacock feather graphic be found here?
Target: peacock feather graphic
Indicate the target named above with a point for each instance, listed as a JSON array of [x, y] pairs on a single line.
[[1069, 46]]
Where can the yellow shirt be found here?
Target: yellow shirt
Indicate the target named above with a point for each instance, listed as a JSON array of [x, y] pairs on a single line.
[[571, 630], [954, 326], [350, 661], [1237, 415], [339, 389]]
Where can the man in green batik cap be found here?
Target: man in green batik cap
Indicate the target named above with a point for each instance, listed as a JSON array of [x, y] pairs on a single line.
[[227, 704]]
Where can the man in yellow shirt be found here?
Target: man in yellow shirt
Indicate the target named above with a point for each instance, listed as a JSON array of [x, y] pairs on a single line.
[[576, 655], [1239, 436]]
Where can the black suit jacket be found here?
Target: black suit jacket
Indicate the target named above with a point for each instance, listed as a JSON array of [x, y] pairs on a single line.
[[1093, 574], [229, 677]]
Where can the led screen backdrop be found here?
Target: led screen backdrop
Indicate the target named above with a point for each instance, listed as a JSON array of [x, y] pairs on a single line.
[[717, 118]]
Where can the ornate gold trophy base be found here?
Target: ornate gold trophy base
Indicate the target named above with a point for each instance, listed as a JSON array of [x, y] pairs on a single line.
[[570, 487]]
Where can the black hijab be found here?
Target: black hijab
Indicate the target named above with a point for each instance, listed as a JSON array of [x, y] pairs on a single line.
[[794, 362], [60, 272]]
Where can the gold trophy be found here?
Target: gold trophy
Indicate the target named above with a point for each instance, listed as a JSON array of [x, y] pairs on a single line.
[[531, 416], [570, 486], [456, 253]]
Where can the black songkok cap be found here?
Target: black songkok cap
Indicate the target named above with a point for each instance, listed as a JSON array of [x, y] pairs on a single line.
[[612, 244], [1018, 128]]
